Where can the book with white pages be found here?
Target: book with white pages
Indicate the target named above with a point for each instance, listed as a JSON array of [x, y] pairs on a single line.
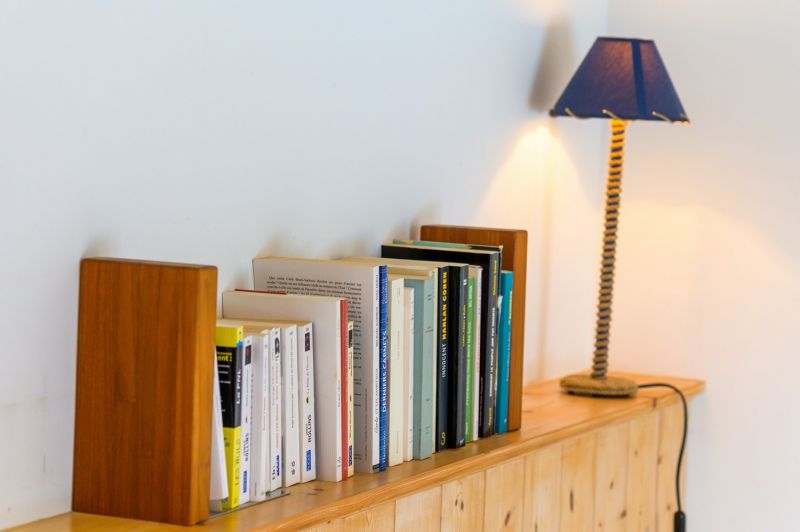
[[428, 272], [326, 315], [408, 372], [395, 339], [218, 484], [360, 286]]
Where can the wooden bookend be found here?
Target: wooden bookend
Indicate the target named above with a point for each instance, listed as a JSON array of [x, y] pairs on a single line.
[[144, 390], [515, 259]]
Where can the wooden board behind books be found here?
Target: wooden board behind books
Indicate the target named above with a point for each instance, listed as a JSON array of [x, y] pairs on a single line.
[[515, 259], [144, 390]]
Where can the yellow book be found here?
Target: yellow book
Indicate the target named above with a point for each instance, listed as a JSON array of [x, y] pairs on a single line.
[[230, 363]]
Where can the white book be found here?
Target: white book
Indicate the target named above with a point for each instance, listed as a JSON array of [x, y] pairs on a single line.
[[351, 422], [326, 314], [408, 372], [247, 416], [290, 415], [305, 369], [259, 441], [218, 485], [275, 408], [359, 284], [476, 357], [396, 436]]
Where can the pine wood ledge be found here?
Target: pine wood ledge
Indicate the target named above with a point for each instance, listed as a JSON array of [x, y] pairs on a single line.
[[548, 416]]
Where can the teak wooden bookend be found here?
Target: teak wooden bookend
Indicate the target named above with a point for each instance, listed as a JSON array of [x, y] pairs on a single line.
[[144, 390], [515, 259]]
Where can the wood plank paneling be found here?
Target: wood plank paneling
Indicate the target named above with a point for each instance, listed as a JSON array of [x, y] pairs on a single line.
[[577, 484], [669, 443], [504, 504], [642, 456], [420, 512], [611, 478], [550, 418], [542, 490], [380, 517], [334, 525], [463, 503]]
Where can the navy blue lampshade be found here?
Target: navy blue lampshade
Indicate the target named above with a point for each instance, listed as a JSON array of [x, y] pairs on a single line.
[[623, 78]]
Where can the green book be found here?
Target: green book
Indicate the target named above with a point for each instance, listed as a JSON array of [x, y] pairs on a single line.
[[470, 353]]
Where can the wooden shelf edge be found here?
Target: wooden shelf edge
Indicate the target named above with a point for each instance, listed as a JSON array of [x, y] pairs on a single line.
[[549, 416]]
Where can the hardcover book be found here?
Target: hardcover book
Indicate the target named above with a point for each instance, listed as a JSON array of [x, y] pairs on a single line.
[[488, 258], [504, 350]]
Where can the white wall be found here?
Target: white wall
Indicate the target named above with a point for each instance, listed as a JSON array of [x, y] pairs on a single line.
[[709, 273], [212, 132]]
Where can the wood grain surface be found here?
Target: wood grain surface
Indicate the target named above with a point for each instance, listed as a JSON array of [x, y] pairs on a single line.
[[556, 451], [144, 383]]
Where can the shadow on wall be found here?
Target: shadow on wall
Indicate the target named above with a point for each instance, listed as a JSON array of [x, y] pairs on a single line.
[[556, 65]]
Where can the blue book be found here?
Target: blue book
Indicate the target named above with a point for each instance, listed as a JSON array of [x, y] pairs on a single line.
[[384, 299], [504, 350]]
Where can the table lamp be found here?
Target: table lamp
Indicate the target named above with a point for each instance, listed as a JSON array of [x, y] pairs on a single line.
[[621, 80]]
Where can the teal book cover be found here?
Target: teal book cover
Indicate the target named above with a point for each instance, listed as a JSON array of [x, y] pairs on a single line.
[[423, 360], [504, 350]]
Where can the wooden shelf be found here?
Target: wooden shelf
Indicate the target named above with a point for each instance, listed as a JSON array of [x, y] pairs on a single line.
[[548, 416]]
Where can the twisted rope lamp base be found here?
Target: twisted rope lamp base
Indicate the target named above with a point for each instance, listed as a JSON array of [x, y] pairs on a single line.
[[598, 383], [595, 387]]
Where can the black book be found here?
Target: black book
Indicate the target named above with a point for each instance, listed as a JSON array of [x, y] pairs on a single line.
[[458, 363], [487, 257]]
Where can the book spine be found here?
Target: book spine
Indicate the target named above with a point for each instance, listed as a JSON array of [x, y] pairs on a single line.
[[427, 308], [408, 372], [476, 373], [229, 365], [275, 410], [504, 349], [308, 471], [259, 459], [351, 432], [396, 372], [470, 361], [247, 417], [442, 376], [384, 363], [489, 353], [433, 363], [457, 360], [346, 410], [291, 427]]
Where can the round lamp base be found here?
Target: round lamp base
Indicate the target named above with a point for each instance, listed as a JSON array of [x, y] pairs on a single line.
[[604, 387]]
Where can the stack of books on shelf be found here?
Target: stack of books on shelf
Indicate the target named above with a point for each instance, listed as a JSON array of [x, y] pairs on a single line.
[[330, 368]]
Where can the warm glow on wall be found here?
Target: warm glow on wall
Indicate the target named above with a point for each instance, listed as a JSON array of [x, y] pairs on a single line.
[[539, 188]]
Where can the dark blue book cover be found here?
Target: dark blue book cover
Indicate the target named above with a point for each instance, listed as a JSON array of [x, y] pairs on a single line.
[[384, 299]]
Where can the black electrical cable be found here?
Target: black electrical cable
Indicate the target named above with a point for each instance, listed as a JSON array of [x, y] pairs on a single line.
[[679, 522]]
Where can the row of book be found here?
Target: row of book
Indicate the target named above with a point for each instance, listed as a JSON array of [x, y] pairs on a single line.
[[428, 364]]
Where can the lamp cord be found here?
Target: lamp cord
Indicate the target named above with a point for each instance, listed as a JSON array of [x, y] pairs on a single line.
[[680, 517]]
